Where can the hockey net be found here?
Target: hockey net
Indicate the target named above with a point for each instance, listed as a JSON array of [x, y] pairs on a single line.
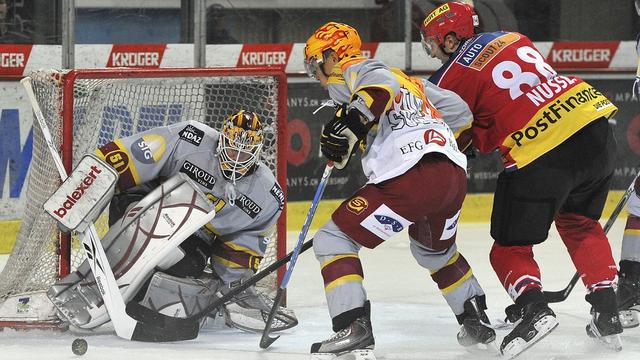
[[85, 109]]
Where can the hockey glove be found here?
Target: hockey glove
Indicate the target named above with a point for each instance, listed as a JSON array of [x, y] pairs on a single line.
[[636, 88], [341, 135]]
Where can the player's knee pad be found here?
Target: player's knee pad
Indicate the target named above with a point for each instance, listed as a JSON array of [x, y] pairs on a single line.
[[179, 297], [135, 246], [330, 240], [430, 259]]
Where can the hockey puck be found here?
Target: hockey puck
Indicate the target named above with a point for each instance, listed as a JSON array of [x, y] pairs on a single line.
[[79, 346]]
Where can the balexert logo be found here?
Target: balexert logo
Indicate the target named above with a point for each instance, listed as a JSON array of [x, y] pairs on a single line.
[[77, 194], [554, 112]]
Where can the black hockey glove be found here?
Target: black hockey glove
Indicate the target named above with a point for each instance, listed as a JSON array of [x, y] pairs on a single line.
[[341, 135]]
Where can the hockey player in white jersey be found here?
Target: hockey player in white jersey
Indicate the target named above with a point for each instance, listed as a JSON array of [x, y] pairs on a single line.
[[628, 292], [416, 180], [248, 201]]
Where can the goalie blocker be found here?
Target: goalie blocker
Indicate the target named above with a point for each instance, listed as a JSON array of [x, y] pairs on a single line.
[[83, 195]]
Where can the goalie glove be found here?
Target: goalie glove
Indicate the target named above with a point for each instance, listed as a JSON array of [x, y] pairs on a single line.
[[341, 135]]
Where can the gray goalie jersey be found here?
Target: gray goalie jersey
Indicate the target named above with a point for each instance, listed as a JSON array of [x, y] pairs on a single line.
[[245, 212]]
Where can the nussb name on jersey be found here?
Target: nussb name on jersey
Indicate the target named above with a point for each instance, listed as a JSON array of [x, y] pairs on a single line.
[[521, 105]]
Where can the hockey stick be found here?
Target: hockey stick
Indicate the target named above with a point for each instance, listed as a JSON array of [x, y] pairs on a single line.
[[125, 326], [266, 340], [561, 295]]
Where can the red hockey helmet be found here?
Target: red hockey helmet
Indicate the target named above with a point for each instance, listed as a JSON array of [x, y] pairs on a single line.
[[452, 17]]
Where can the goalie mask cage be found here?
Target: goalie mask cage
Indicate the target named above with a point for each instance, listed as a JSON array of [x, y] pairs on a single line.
[[85, 109]]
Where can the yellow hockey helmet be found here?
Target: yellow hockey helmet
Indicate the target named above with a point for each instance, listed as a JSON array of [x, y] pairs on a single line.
[[341, 38]]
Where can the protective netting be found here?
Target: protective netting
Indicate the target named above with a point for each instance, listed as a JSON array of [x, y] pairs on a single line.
[[105, 109]]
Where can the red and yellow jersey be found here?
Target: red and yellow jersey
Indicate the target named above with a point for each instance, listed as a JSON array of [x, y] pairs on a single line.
[[520, 105]]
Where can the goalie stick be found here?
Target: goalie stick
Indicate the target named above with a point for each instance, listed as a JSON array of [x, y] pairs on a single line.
[[266, 340], [561, 295]]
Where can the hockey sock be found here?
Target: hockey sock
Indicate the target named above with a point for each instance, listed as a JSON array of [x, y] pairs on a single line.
[[516, 269], [589, 250]]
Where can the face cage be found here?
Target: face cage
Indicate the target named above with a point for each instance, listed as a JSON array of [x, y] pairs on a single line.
[[637, 2], [312, 66], [426, 45], [232, 167]]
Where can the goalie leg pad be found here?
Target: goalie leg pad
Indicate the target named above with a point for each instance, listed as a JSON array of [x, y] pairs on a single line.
[[179, 297], [145, 238]]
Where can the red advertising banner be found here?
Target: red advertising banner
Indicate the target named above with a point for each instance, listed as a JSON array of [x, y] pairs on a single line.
[[138, 55], [369, 49], [276, 55], [13, 59], [582, 54]]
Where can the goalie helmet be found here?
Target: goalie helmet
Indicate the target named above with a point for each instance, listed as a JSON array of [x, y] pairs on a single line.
[[341, 38], [452, 17], [240, 144]]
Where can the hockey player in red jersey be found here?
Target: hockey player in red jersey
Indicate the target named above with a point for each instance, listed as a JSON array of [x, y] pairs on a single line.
[[558, 151], [416, 180]]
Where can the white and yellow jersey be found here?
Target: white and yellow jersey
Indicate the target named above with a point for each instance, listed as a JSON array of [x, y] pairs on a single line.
[[406, 125]]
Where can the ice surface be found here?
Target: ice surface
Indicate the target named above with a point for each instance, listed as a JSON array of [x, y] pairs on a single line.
[[410, 318]]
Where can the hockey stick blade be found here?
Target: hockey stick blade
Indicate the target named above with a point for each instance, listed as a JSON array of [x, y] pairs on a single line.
[[561, 295], [266, 340]]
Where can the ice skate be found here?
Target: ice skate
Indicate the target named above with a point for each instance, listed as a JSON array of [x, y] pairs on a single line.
[[606, 328], [628, 294], [538, 321], [355, 342], [475, 332]]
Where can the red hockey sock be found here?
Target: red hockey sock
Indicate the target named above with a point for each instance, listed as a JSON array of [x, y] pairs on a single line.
[[589, 249], [516, 269]]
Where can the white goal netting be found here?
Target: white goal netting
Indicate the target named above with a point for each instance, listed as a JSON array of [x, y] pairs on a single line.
[[108, 105]]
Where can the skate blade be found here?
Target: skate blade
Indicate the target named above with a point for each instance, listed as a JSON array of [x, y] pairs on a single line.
[[363, 354], [629, 318], [517, 346], [490, 348], [610, 342]]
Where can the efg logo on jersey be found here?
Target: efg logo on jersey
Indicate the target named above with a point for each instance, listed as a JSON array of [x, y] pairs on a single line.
[[192, 135], [277, 193], [389, 223], [149, 148], [248, 206], [198, 175]]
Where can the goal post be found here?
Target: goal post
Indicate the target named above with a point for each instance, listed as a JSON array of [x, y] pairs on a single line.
[[88, 108]]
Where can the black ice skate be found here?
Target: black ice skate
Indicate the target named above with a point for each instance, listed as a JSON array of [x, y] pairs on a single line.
[[356, 340], [606, 328], [538, 320], [628, 293], [605, 325], [474, 321]]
